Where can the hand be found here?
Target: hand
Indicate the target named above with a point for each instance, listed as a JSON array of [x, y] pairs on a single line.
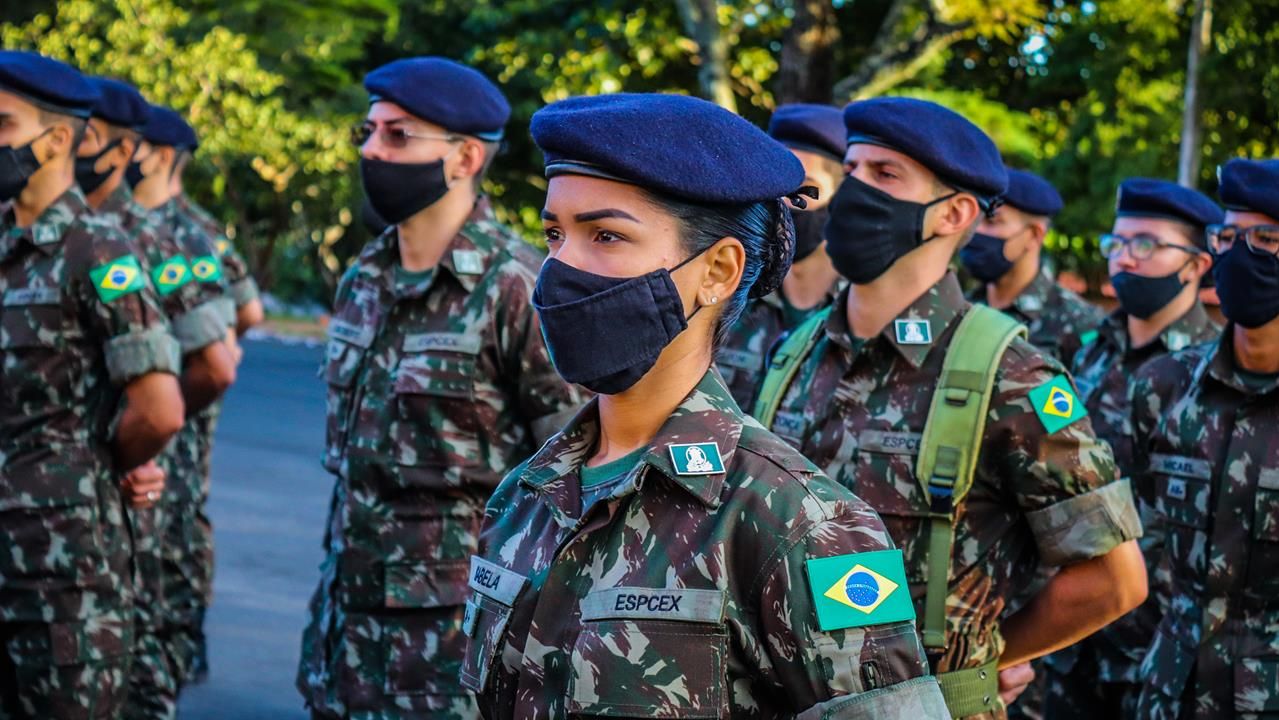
[[1013, 682], [144, 485], [233, 344]]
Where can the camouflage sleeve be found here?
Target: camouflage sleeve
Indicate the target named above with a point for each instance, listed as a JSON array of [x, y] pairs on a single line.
[[243, 288], [122, 309], [544, 399], [857, 670], [200, 326], [1041, 448]]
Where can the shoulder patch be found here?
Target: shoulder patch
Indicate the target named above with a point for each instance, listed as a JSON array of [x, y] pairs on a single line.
[[116, 278], [1056, 404], [860, 589], [207, 269], [696, 458], [171, 275]]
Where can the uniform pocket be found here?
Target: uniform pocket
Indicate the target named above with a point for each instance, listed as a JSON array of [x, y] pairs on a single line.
[[1257, 686], [341, 366], [484, 624], [423, 652], [52, 547], [1263, 561], [650, 669], [1166, 669], [437, 425], [889, 458]]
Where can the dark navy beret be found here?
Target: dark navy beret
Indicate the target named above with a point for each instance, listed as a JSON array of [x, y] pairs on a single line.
[[1251, 186], [1032, 194], [673, 144], [943, 141], [120, 103], [47, 83], [816, 128], [166, 127], [1146, 197], [440, 91]]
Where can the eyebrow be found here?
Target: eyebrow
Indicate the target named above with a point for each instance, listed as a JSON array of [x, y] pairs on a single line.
[[604, 213]]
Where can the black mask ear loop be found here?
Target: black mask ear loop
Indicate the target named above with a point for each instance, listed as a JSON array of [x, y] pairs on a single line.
[[924, 211], [684, 262]]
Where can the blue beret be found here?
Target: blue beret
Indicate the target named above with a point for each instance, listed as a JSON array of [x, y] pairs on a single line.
[[1144, 197], [816, 128], [166, 127], [440, 91], [1251, 186], [673, 144], [120, 103], [1032, 194], [46, 83], [943, 141]]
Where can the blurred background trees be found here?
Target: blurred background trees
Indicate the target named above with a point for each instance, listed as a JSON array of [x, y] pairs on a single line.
[[1086, 92]]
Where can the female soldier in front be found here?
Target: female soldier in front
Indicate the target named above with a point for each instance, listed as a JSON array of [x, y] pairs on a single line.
[[664, 555]]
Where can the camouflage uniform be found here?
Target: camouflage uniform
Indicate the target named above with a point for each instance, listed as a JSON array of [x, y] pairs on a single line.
[[191, 550], [436, 389], [65, 355], [731, 546], [743, 356], [1098, 676], [1055, 317], [856, 410], [1210, 467], [198, 319]]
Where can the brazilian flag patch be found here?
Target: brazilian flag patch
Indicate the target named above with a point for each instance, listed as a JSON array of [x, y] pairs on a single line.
[[171, 275], [206, 269], [118, 277], [1056, 404], [860, 589]]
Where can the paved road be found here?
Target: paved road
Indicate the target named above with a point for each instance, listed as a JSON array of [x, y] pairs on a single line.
[[269, 500]]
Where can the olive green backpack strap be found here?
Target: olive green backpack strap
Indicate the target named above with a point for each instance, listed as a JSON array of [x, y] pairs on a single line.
[[952, 439], [785, 364]]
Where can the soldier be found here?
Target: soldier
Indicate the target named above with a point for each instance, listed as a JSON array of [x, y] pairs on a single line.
[[88, 393], [1004, 255], [439, 382], [815, 135], [1158, 257], [191, 551], [664, 555], [1205, 420], [999, 462]]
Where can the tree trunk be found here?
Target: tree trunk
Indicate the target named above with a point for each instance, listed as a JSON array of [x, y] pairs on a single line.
[[701, 22], [806, 67], [1191, 155]]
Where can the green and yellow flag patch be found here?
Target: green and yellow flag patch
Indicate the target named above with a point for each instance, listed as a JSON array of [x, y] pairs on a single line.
[[207, 269], [171, 275], [860, 589], [118, 277], [1056, 404]]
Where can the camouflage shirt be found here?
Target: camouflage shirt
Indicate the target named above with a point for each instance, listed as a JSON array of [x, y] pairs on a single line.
[[1209, 454], [1104, 368], [242, 286], [679, 595], [743, 356], [1055, 317], [189, 304], [856, 409], [77, 324], [435, 390]]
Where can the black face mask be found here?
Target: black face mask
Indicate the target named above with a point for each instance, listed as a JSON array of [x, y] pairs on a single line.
[[1142, 297], [17, 165], [605, 333], [983, 258], [869, 230], [398, 191], [809, 225], [1247, 285], [86, 176], [133, 174]]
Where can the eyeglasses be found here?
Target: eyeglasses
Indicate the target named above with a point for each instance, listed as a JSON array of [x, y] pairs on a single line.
[[1139, 248], [395, 137], [1261, 239]]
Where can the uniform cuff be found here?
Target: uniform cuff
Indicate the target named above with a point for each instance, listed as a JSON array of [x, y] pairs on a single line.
[[201, 326], [1086, 526], [244, 291], [226, 309], [138, 353], [916, 698]]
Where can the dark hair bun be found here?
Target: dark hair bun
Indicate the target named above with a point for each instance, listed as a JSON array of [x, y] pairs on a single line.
[[779, 251]]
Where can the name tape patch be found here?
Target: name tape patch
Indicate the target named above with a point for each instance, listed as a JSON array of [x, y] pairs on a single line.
[[495, 581], [453, 342], [349, 333], [893, 443], [33, 296], [1193, 468], [655, 604]]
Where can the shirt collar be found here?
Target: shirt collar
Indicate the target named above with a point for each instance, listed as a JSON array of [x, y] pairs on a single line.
[[47, 231], [467, 258], [1222, 366], [939, 307], [1192, 328], [1037, 296], [707, 415]]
